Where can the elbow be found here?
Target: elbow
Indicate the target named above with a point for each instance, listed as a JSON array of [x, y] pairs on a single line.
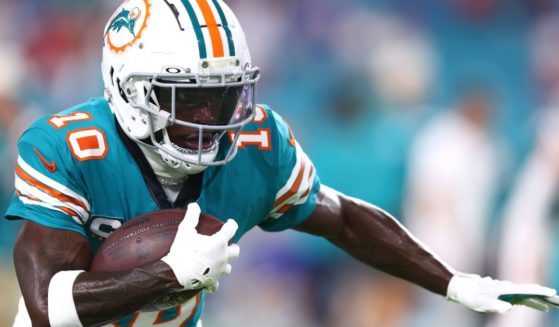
[[33, 306], [345, 231], [36, 313]]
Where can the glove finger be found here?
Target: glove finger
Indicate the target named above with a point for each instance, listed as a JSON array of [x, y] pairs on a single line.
[[500, 307], [552, 301], [493, 305], [191, 217], [195, 284], [528, 289], [535, 303], [212, 287], [233, 251], [228, 230], [226, 271]]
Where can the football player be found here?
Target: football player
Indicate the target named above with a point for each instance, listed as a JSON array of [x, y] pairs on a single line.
[[179, 127]]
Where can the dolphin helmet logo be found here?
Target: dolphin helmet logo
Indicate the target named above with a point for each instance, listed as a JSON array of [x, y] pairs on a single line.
[[127, 19], [126, 27]]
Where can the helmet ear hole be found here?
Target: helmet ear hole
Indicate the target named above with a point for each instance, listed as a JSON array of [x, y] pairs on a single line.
[[159, 136], [121, 91], [152, 97], [111, 74]]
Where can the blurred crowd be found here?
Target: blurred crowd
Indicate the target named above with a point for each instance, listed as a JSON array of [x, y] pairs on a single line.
[[443, 112]]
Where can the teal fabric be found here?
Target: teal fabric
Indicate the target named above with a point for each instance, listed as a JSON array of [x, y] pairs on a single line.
[[244, 189]]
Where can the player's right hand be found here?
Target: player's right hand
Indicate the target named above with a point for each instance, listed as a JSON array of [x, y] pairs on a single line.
[[490, 295], [197, 260]]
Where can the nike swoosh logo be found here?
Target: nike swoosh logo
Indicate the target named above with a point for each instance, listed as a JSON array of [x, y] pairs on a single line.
[[50, 166]]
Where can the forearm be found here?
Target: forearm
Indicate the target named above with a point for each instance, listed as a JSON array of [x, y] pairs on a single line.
[[102, 297], [377, 239], [374, 237], [52, 268], [42, 252]]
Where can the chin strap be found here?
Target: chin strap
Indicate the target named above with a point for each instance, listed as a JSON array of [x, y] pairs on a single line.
[[178, 165], [163, 165], [168, 159], [166, 166]]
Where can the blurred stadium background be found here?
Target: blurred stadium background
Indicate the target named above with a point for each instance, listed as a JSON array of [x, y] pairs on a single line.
[[443, 112]]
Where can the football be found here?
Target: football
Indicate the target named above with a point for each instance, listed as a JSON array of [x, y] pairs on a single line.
[[147, 238]]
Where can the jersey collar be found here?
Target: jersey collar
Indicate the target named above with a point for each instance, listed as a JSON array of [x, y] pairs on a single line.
[[191, 187]]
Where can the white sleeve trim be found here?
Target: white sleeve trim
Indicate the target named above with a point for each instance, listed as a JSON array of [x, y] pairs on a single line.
[[33, 195], [298, 186], [51, 183]]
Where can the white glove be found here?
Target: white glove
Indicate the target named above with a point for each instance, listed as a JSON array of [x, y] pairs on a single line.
[[490, 295], [199, 260]]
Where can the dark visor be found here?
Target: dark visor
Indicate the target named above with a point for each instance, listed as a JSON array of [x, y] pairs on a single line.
[[205, 105]]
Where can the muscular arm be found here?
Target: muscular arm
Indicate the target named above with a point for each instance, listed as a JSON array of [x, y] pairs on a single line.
[[374, 237], [100, 297]]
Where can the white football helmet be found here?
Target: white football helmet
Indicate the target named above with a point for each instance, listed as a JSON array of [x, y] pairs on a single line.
[[178, 77]]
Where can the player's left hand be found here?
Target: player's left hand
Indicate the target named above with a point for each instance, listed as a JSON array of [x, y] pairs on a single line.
[[491, 295], [201, 260]]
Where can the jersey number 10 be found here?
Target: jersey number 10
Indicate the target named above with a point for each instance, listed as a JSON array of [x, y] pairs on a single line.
[[85, 143]]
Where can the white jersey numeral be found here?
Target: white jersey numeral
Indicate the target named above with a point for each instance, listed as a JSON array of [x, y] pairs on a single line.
[[87, 143], [260, 115], [62, 121], [104, 226], [262, 138]]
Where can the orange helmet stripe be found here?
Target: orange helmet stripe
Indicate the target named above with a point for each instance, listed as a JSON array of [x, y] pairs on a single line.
[[215, 36]]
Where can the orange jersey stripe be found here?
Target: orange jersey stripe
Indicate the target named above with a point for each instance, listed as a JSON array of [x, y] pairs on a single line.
[[18, 192], [306, 192], [311, 170], [215, 36], [295, 186], [52, 192], [71, 212], [64, 209], [160, 320], [285, 208], [191, 314]]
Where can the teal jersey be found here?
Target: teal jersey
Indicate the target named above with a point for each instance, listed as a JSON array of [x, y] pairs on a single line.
[[77, 171]]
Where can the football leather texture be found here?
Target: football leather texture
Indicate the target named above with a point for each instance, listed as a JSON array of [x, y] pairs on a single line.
[[145, 239]]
